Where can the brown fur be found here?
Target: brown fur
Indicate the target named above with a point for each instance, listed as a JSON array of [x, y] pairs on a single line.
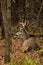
[[29, 42]]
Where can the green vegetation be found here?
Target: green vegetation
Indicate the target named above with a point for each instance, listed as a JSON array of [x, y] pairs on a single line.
[[24, 61]]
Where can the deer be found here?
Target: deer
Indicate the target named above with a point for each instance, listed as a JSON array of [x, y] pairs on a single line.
[[29, 43]]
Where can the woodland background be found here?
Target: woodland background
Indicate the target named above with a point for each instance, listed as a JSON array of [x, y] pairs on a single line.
[[11, 13]]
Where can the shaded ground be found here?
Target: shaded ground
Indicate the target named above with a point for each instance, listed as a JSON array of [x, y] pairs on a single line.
[[16, 51]]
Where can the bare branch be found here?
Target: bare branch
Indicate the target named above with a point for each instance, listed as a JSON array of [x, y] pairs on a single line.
[[40, 10]]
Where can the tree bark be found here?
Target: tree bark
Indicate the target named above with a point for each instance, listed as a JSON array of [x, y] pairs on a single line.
[[6, 13]]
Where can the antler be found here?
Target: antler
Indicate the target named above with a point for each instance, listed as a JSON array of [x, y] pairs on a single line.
[[24, 27], [23, 23]]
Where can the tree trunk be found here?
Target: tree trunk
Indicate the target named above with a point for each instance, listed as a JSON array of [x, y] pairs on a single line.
[[6, 13], [24, 9], [2, 32]]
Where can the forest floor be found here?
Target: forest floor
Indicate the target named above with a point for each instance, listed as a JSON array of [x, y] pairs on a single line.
[[16, 51]]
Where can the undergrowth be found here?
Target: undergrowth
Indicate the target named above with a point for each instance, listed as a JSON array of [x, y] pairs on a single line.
[[24, 61]]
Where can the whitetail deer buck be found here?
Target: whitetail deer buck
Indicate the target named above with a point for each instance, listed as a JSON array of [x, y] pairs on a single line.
[[29, 43]]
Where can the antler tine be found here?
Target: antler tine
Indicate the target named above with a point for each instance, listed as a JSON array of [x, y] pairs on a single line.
[[20, 23], [28, 23], [23, 23]]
